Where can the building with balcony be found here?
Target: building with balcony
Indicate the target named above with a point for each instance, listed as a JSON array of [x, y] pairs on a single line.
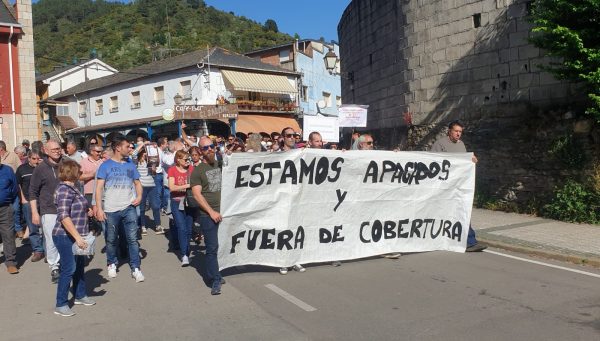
[[133, 102], [319, 89], [62, 78]]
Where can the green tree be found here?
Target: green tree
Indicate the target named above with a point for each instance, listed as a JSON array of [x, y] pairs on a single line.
[[568, 30], [271, 25]]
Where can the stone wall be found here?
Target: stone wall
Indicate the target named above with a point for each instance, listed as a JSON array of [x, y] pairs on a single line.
[[442, 60]]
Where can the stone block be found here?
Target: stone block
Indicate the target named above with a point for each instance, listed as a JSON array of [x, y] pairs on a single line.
[[527, 80], [439, 56], [460, 89], [547, 79], [528, 52], [516, 10], [500, 70], [483, 59], [444, 67], [481, 73], [426, 59], [518, 38], [518, 67], [430, 82], [414, 62], [457, 52], [431, 70]]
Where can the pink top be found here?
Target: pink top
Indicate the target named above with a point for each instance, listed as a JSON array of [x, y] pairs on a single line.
[[88, 165]]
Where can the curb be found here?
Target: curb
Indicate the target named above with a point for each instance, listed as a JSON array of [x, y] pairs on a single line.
[[575, 259]]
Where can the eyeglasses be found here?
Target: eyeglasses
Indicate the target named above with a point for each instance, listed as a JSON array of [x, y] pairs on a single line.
[[55, 149], [369, 143], [35, 158], [205, 148], [289, 136]]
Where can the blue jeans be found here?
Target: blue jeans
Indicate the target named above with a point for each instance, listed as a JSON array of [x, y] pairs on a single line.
[[125, 220], [471, 240], [210, 230], [71, 268], [35, 237], [182, 227], [163, 192], [16, 205], [151, 194]]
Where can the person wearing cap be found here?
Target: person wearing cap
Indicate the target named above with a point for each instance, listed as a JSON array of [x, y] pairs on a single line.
[[26, 144], [8, 192]]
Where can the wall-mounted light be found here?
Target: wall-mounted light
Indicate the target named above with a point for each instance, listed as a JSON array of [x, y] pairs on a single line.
[[178, 99]]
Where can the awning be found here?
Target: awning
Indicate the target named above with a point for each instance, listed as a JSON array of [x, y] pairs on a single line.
[[266, 123], [66, 122], [115, 125], [257, 82]]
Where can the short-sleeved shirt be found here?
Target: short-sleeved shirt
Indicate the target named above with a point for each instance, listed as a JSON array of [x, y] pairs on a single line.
[[119, 189], [77, 157], [445, 145], [70, 203], [24, 173], [209, 177], [88, 165], [181, 178]]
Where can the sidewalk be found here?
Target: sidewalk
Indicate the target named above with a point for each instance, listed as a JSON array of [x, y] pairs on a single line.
[[577, 243]]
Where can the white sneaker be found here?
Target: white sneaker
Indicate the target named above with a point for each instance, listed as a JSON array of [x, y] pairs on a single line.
[[144, 231], [137, 274], [299, 268], [159, 230], [185, 261], [112, 271], [283, 271]]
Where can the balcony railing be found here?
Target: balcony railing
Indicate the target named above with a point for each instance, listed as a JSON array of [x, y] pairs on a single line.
[[98, 112], [113, 109], [136, 105], [266, 105], [83, 114], [159, 102]]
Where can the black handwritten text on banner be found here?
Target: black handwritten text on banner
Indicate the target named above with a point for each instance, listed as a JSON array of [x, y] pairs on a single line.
[[308, 206]]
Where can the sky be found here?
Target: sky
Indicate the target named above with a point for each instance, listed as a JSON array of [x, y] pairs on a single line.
[[309, 18]]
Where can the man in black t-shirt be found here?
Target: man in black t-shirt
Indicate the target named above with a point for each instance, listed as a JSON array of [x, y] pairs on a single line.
[[23, 174]]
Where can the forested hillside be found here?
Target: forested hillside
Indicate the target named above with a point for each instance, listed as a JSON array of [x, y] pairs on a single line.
[[135, 33]]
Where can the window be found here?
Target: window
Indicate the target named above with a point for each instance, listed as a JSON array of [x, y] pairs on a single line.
[[185, 89], [477, 20], [159, 95], [284, 56], [135, 100], [338, 101], [254, 96], [99, 107], [304, 93], [82, 109], [327, 99], [114, 104]]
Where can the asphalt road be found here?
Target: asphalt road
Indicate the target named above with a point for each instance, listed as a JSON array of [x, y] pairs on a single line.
[[425, 296]]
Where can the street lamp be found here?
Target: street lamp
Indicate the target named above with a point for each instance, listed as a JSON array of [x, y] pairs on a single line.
[[178, 99], [330, 60]]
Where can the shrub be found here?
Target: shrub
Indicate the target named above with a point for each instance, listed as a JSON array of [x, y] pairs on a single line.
[[574, 202], [568, 151]]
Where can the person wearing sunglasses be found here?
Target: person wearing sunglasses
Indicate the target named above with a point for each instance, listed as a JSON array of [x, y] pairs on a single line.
[[289, 139], [24, 173], [289, 143], [206, 190], [365, 142], [183, 219]]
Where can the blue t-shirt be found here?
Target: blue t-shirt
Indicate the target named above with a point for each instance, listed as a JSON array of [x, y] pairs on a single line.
[[119, 189]]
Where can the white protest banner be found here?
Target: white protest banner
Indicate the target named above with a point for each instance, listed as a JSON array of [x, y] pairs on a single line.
[[312, 205], [328, 127], [352, 115]]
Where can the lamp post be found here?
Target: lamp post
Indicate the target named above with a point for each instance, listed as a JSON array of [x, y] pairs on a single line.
[[178, 99], [331, 60]]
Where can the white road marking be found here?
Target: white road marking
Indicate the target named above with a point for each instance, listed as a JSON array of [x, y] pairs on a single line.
[[591, 274], [291, 298]]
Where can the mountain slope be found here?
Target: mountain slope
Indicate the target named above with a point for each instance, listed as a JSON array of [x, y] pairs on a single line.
[[130, 34]]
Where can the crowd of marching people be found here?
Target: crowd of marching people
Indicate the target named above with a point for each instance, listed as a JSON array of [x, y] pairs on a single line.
[[56, 198], [54, 195]]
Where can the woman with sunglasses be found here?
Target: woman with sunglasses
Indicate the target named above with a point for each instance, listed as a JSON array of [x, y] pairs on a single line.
[[149, 193], [182, 216]]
